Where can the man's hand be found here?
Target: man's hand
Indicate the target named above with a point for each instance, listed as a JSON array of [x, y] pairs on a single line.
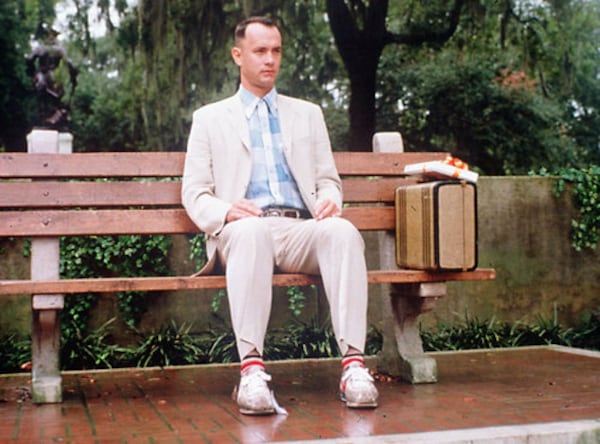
[[326, 208], [242, 208]]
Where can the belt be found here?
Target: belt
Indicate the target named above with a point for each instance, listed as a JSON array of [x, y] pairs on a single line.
[[295, 213]]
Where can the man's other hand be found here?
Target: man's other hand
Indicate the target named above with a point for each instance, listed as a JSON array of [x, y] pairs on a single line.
[[325, 209], [241, 209]]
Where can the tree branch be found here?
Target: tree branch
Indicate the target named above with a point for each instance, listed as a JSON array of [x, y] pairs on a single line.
[[418, 35]]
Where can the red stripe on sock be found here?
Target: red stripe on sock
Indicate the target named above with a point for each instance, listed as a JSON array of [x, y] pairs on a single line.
[[249, 362], [350, 359]]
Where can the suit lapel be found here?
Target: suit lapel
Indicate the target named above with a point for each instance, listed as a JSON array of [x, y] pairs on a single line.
[[237, 120]]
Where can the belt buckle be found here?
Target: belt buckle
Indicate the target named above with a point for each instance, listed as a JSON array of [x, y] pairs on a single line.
[[291, 213], [281, 212]]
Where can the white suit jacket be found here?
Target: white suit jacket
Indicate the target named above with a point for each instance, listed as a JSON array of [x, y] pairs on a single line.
[[218, 162]]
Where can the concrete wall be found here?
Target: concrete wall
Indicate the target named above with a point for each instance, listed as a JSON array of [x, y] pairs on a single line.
[[523, 233]]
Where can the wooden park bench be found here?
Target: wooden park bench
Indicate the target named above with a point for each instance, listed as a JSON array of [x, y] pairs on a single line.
[[49, 193]]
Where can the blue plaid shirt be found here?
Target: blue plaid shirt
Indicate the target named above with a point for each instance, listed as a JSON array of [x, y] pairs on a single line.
[[271, 182]]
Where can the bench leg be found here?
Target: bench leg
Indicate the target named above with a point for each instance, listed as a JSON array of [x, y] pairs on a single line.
[[46, 381], [402, 352]]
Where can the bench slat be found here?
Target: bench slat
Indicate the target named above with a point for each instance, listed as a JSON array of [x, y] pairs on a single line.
[[52, 194], [381, 190], [170, 283], [88, 194], [95, 222], [50, 223], [113, 164], [94, 194], [380, 164], [170, 164]]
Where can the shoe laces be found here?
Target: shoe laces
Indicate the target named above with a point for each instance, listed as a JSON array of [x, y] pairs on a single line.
[[256, 378], [357, 374]]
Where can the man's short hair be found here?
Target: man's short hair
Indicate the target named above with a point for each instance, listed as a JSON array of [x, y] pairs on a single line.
[[240, 29]]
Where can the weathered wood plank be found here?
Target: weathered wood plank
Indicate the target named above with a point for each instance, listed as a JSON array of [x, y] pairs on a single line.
[[53, 194], [170, 164], [50, 223], [380, 164], [371, 190], [170, 283], [113, 164], [89, 222]]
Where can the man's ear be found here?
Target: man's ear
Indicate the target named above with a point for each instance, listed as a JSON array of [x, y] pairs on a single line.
[[236, 54]]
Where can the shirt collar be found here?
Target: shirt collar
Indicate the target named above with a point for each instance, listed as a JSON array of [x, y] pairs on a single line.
[[249, 101]]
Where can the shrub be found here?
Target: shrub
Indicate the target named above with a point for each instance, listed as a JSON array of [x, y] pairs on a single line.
[[175, 344]]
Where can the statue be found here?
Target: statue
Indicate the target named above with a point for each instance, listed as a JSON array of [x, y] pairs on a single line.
[[49, 67]]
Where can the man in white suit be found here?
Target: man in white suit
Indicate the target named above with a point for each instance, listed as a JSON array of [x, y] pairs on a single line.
[[260, 181]]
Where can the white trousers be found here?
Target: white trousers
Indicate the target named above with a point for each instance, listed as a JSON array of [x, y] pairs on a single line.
[[251, 248]]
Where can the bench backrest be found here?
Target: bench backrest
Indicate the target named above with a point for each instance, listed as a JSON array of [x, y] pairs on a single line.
[[139, 193]]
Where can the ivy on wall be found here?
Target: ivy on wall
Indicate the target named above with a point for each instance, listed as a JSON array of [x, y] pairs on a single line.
[[586, 189], [96, 256], [585, 230], [100, 256]]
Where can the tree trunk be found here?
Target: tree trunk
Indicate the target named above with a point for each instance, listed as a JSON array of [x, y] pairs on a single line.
[[359, 34], [362, 106]]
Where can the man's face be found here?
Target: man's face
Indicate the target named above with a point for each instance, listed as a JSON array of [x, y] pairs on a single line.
[[258, 55]]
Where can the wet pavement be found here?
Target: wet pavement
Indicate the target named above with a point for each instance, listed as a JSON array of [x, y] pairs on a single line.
[[537, 394]]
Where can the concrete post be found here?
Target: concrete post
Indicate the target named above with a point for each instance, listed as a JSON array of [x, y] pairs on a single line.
[[402, 352], [46, 380]]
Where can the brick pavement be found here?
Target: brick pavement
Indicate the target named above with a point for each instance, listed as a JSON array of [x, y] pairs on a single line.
[[479, 389]]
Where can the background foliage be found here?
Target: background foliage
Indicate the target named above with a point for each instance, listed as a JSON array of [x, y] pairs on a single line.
[[81, 345], [509, 86], [174, 344], [585, 230]]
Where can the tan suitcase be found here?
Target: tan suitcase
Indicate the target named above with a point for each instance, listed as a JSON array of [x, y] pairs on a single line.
[[436, 226]]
